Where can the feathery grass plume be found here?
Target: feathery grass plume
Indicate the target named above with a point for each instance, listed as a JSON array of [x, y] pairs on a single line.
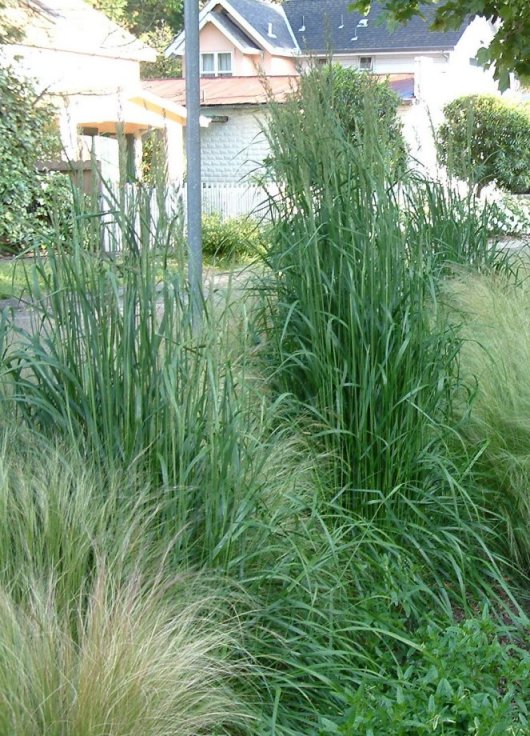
[[493, 310], [59, 513], [135, 664]]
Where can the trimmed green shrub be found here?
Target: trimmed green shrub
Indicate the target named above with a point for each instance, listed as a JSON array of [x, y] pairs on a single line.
[[231, 239], [467, 679], [486, 139]]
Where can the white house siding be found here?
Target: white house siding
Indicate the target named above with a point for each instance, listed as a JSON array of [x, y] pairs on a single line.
[[387, 63], [231, 151], [479, 33]]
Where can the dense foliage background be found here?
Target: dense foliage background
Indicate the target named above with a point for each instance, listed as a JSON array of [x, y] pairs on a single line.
[[27, 135]]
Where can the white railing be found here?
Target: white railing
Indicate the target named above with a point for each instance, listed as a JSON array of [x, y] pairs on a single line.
[[139, 215], [234, 200]]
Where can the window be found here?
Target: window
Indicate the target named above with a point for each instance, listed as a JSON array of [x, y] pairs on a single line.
[[224, 65], [208, 65], [216, 64], [365, 63]]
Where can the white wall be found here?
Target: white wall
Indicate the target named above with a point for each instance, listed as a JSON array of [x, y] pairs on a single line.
[[67, 72], [232, 150]]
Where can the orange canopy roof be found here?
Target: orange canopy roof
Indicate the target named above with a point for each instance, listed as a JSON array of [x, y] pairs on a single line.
[[253, 90], [226, 90]]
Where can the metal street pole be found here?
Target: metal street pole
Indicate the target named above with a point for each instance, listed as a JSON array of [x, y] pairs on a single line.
[[193, 156]]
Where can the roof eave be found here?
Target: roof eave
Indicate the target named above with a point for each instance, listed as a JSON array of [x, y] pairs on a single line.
[[321, 53]]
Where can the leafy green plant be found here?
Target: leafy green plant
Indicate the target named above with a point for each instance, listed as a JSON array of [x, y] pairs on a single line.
[[485, 139], [231, 239], [470, 678]]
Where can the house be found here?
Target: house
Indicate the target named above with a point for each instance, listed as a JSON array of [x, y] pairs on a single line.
[[244, 40], [90, 69]]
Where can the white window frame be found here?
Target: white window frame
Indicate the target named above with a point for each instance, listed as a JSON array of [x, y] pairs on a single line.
[[216, 72], [366, 68]]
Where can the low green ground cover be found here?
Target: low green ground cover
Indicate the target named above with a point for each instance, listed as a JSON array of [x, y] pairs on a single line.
[[306, 518], [14, 275]]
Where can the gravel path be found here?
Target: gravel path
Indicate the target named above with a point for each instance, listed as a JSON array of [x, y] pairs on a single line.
[[216, 284]]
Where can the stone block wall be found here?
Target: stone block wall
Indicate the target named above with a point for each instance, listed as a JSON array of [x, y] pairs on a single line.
[[233, 149]]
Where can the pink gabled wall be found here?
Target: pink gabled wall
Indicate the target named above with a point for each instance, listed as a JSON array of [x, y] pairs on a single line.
[[211, 39], [278, 66]]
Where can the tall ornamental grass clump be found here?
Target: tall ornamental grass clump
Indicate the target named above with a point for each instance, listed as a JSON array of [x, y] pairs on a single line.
[[355, 330], [111, 361], [354, 333]]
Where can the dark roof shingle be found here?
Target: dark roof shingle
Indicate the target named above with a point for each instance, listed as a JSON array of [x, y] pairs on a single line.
[[260, 15], [323, 26]]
